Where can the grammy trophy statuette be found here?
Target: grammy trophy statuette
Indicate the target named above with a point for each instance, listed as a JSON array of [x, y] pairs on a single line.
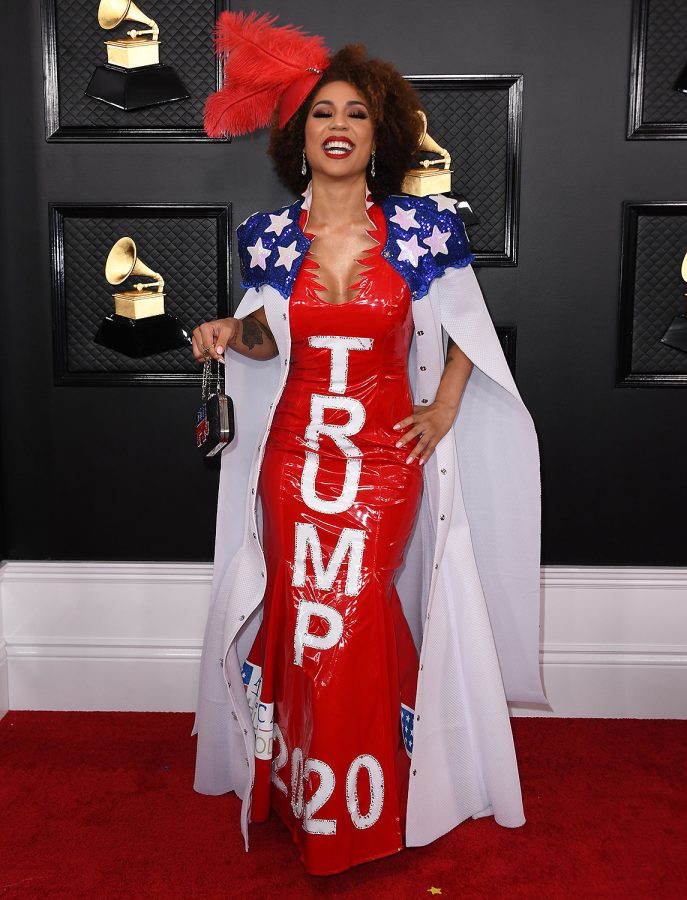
[[676, 335], [139, 326], [432, 174], [133, 77]]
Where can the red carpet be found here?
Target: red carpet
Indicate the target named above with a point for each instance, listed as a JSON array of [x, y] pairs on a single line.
[[102, 805]]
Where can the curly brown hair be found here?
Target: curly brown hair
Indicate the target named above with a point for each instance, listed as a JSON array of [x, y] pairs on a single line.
[[393, 105]]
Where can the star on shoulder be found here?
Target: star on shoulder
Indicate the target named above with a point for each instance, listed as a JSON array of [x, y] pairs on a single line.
[[258, 254], [279, 221], [444, 202]]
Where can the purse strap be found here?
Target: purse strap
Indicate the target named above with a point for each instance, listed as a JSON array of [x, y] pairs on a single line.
[[208, 375]]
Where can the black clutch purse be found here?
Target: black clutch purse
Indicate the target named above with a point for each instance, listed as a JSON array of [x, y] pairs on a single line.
[[215, 418]]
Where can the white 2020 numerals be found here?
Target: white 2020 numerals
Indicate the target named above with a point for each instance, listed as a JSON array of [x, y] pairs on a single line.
[[301, 770]]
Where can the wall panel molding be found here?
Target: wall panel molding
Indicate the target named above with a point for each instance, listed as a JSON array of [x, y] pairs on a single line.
[[72, 43], [656, 110], [188, 243], [128, 636], [478, 119], [654, 238]]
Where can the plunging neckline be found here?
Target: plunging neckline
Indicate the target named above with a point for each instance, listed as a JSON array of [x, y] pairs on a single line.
[[366, 260]]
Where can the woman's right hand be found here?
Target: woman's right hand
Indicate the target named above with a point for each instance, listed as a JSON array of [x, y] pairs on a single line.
[[213, 337]]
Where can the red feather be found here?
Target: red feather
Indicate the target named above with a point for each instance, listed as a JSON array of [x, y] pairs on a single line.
[[260, 63], [238, 112]]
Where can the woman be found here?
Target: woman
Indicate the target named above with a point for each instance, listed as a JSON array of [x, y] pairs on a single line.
[[323, 710]]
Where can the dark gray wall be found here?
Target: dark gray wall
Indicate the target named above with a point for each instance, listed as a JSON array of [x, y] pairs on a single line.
[[111, 473]]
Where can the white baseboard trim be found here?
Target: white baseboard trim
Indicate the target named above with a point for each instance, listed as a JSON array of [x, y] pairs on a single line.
[[128, 636], [4, 665], [4, 679]]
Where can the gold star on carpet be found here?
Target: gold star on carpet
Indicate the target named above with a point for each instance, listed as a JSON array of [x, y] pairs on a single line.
[[433, 890]]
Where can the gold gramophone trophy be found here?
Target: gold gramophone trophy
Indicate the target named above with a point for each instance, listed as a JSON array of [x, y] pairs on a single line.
[[433, 175], [676, 335], [139, 326], [430, 176], [133, 76]]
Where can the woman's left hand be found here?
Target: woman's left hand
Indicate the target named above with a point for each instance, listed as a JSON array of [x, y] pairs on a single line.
[[427, 426]]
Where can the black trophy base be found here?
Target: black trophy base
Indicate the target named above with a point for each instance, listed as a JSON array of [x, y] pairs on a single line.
[[129, 89], [142, 337], [676, 335], [681, 83], [464, 210]]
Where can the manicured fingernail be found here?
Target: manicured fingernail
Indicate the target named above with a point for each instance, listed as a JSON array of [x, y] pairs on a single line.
[[399, 444], [410, 459], [422, 462], [219, 350], [396, 427]]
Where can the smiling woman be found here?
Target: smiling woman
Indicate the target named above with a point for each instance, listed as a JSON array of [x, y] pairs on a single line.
[[365, 706], [339, 125], [339, 137], [390, 104]]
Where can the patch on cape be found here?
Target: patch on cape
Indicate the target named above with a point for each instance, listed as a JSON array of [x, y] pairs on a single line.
[[425, 236]]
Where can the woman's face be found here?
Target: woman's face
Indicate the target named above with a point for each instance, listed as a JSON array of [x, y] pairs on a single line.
[[339, 132]]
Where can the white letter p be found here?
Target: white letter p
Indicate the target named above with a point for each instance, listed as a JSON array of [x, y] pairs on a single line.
[[303, 638]]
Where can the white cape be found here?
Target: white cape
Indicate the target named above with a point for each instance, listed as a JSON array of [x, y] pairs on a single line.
[[470, 584]]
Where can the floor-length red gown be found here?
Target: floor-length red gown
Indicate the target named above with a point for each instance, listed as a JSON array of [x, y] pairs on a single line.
[[332, 673]]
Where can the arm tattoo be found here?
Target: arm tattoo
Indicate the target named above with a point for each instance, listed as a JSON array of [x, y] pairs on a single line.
[[269, 334], [252, 331]]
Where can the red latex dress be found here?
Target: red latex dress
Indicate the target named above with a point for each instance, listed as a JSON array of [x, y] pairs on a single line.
[[331, 676]]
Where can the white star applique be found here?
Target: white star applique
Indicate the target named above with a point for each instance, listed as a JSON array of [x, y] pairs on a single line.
[[279, 222], [411, 250], [258, 254], [287, 255], [444, 202], [437, 241], [405, 218]]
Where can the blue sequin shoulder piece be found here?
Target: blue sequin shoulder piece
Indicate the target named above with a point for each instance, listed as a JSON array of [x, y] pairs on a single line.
[[272, 248], [425, 236]]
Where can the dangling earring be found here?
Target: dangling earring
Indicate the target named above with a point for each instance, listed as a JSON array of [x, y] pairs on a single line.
[[304, 168], [372, 164]]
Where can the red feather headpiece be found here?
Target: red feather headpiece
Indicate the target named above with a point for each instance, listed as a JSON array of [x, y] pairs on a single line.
[[264, 68]]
